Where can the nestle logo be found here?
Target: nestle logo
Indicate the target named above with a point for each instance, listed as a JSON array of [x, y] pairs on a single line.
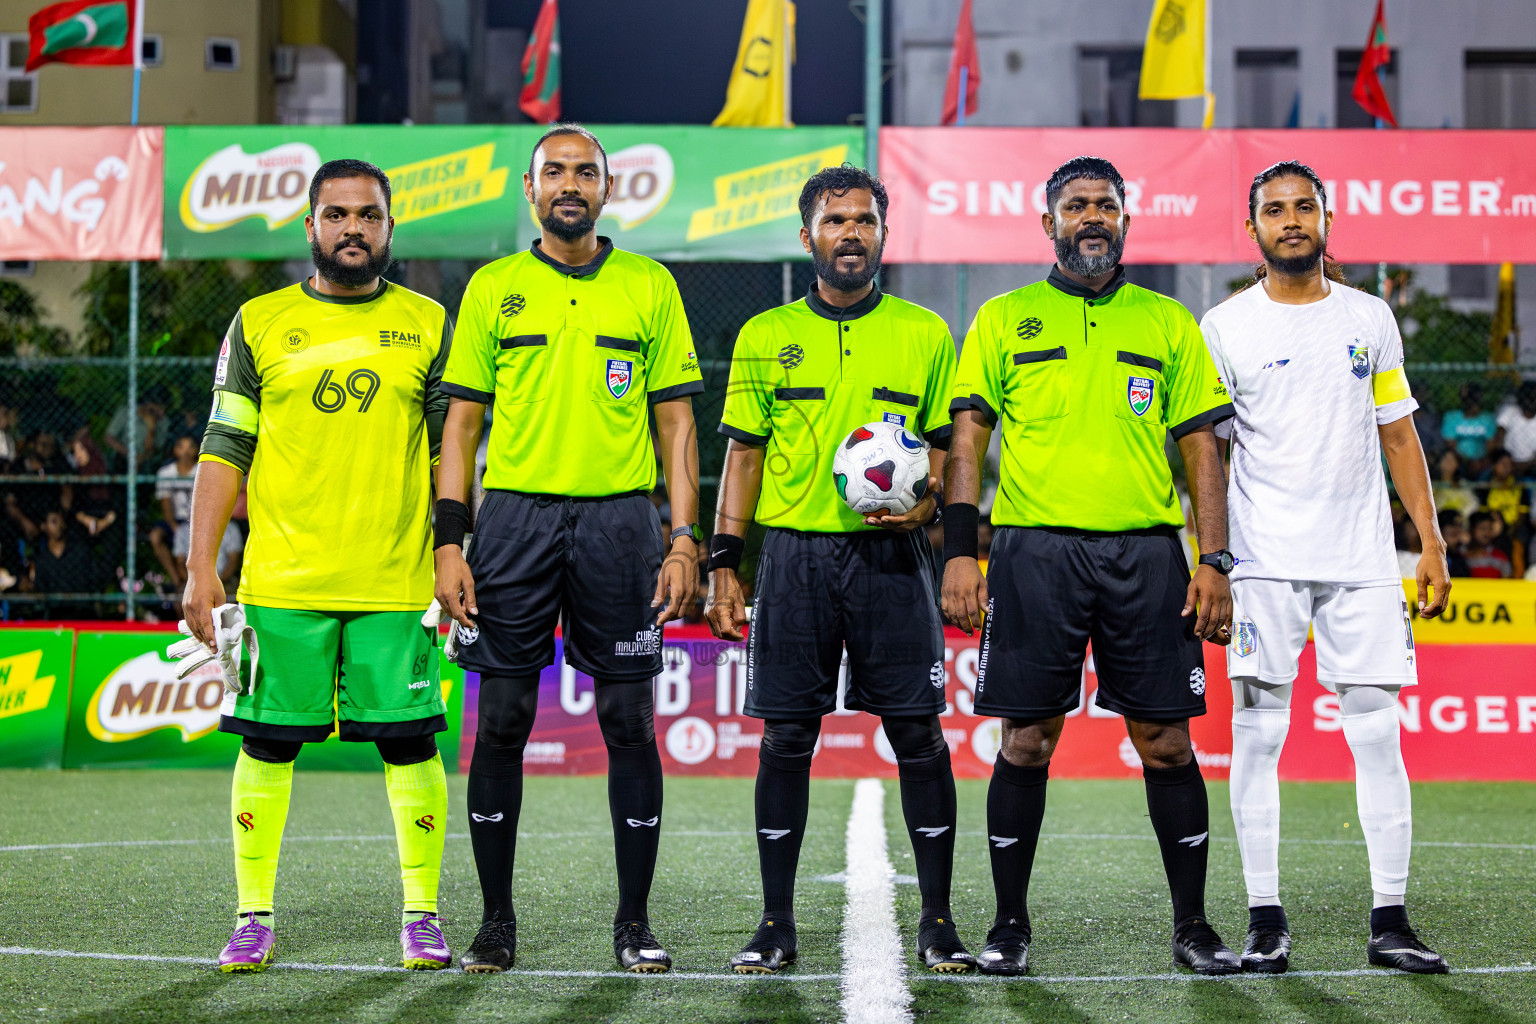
[[399, 339]]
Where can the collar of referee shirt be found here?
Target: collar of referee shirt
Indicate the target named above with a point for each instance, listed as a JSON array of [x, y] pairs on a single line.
[[822, 308], [1061, 282], [586, 269]]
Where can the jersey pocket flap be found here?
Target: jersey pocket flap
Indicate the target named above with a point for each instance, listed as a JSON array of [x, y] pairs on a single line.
[[895, 397], [525, 341], [800, 394], [624, 344], [1020, 358]]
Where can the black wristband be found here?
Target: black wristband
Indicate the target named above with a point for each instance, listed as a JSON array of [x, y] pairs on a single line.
[[450, 522], [725, 551], [961, 522]]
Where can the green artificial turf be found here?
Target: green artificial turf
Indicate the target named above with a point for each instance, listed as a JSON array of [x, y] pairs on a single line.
[[1099, 905]]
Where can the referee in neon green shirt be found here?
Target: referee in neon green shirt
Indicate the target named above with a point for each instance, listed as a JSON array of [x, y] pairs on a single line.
[[803, 377], [574, 345], [1087, 375]]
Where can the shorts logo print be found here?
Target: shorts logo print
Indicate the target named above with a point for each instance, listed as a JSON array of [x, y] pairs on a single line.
[[936, 675], [646, 642], [468, 635], [1138, 392], [1246, 640], [1359, 361], [620, 374], [1197, 682]]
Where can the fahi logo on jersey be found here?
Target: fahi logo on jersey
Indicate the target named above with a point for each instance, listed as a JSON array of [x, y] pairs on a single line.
[[399, 339], [620, 374], [1139, 393], [1359, 360], [1246, 640]]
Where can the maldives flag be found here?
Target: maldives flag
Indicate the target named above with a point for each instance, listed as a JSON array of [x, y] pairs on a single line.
[[964, 56], [1368, 91], [540, 98], [84, 32]]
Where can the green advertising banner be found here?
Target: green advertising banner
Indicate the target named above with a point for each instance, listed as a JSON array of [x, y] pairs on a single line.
[[680, 192], [128, 710], [34, 696]]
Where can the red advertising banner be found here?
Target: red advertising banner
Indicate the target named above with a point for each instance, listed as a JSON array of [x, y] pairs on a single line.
[[975, 195], [1473, 717], [81, 193]]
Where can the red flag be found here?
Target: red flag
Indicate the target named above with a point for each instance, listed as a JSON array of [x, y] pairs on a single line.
[[1368, 92], [83, 32], [540, 98], [963, 57]]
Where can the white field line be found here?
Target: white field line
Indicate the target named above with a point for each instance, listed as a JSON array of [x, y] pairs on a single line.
[[25, 847], [1060, 979], [874, 972]]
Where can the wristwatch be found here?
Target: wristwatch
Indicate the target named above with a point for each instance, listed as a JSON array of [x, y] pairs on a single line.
[[1222, 561], [691, 530]]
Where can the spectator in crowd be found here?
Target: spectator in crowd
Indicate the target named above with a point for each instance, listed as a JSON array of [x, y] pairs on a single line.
[[1470, 429], [63, 565], [1450, 486], [29, 503], [1455, 534], [1485, 559], [153, 426], [1506, 495], [1410, 547], [93, 509], [10, 452], [171, 537], [1517, 429]]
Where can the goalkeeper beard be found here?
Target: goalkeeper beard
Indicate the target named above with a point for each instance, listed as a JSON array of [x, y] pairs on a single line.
[[349, 275]]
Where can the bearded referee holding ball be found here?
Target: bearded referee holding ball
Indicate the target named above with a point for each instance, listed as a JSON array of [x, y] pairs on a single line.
[[1087, 376], [803, 377], [1315, 368], [573, 344]]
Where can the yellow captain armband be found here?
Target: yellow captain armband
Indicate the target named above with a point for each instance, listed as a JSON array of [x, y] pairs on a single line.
[[206, 457], [1390, 386], [231, 409]]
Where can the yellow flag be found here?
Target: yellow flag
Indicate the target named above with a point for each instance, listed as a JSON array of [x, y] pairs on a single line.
[[758, 94], [1504, 338], [1173, 59]]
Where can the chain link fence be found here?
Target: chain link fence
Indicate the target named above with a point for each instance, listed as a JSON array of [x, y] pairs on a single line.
[[72, 544]]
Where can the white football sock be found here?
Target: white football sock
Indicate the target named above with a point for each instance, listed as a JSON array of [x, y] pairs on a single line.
[[1383, 799], [1257, 736]]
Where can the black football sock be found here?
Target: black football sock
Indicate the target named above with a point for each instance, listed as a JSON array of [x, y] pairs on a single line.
[[495, 800], [1269, 915], [634, 803], [1015, 809], [780, 804], [1181, 818], [1387, 919], [928, 805]]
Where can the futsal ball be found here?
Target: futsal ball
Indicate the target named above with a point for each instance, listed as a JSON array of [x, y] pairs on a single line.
[[881, 469]]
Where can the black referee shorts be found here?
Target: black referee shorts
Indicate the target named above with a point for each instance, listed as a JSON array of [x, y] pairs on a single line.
[[591, 563], [872, 592], [1053, 591]]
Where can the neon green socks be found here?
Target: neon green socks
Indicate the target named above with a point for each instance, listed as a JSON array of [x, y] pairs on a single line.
[[418, 798], [259, 811]]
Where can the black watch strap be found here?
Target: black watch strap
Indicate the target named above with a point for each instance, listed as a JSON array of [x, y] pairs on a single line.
[[1222, 561], [691, 530]]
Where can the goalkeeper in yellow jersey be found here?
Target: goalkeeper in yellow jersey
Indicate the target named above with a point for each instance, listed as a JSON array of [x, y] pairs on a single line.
[[326, 396]]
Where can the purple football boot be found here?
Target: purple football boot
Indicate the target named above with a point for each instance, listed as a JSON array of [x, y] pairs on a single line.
[[422, 946], [250, 948]]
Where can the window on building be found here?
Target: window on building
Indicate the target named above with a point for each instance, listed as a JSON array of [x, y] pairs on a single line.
[[1348, 113], [1469, 280], [18, 90], [151, 50], [17, 268], [1267, 89], [1500, 89], [1107, 83], [222, 54]]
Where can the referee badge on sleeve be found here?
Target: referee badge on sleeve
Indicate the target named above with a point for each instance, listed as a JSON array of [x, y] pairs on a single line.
[[620, 374], [1139, 393]]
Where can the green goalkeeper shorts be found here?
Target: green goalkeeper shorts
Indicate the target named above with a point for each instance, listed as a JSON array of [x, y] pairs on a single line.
[[367, 675]]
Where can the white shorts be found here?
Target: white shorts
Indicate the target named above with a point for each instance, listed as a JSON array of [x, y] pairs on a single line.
[[1364, 636]]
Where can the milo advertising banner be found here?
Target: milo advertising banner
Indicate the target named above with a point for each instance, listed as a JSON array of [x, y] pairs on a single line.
[[128, 710], [34, 696], [680, 192]]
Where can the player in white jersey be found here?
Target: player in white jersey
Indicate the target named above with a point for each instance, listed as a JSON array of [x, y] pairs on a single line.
[[1315, 369]]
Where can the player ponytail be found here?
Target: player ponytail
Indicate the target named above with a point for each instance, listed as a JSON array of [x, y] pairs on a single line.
[[1287, 169]]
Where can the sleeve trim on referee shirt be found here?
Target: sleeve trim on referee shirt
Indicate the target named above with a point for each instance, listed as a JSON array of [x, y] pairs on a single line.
[[737, 434], [469, 394], [1216, 415], [974, 402], [939, 437], [686, 388]]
